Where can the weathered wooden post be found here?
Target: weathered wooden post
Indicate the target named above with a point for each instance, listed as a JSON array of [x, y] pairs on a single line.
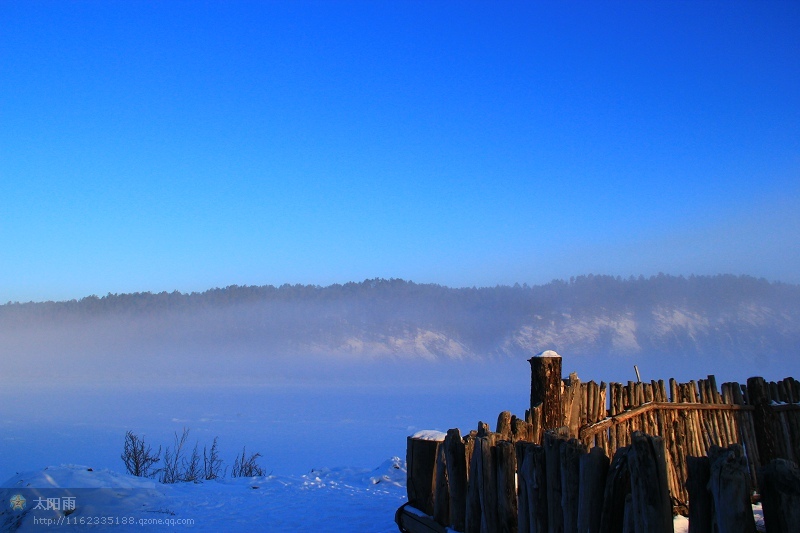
[[730, 488], [441, 491], [652, 507], [472, 515], [532, 506], [506, 487], [701, 507], [763, 419], [546, 388], [456, 458], [593, 474], [487, 479], [504, 425], [421, 477], [570, 457], [780, 496], [552, 457]]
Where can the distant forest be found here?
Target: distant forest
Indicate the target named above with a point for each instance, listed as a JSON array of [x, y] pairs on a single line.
[[587, 315]]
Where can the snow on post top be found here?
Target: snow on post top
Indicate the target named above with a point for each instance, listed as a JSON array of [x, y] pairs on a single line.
[[547, 353], [429, 434]]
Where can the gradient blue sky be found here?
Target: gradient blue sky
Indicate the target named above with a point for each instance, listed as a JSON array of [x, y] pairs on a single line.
[[149, 146]]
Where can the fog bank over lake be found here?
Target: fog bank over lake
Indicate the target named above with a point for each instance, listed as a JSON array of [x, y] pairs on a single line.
[[376, 330]]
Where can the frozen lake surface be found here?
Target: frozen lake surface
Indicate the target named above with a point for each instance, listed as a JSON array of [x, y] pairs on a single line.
[[353, 421], [325, 433]]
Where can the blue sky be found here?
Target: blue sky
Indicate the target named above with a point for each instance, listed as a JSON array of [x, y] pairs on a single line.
[[149, 146]]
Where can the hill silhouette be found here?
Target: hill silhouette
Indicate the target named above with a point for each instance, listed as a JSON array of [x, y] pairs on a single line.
[[734, 318]]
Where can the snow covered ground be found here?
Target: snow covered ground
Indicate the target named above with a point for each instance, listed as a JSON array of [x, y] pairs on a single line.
[[338, 499]]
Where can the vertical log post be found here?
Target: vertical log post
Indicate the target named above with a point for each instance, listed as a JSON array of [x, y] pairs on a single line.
[[730, 489], [421, 473], [472, 518], [539, 513], [763, 419], [504, 425], [593, 472], [506, 487], [455, 453], [552, 457], [780, 496], [701, 509], [571, 404], [441, 492], [524, 485], [571, 452], [546, 388], [618, 486], [487, 472], [652, 507]]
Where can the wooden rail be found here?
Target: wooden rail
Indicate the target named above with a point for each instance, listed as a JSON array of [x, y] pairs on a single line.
[[590, 430]]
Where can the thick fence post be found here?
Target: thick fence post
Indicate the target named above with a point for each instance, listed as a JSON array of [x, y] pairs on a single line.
[[472, 518], [730, 488], [524, 451], [780, 496], [421, 470], [763, 419], [593, 473], [455, 453], [546, 388], [570, 456], [652, 507], [487, 481], [701, 509], [506, 487], [618, 486], [552, 457]]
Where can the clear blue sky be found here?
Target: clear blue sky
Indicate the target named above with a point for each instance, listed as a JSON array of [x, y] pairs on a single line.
[[188, 145]]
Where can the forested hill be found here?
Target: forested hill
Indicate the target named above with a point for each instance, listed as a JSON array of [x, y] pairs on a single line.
[[586, 316]]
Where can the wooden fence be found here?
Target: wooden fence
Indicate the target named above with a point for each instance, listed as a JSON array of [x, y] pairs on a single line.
[[475, 483], [690, 417]]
